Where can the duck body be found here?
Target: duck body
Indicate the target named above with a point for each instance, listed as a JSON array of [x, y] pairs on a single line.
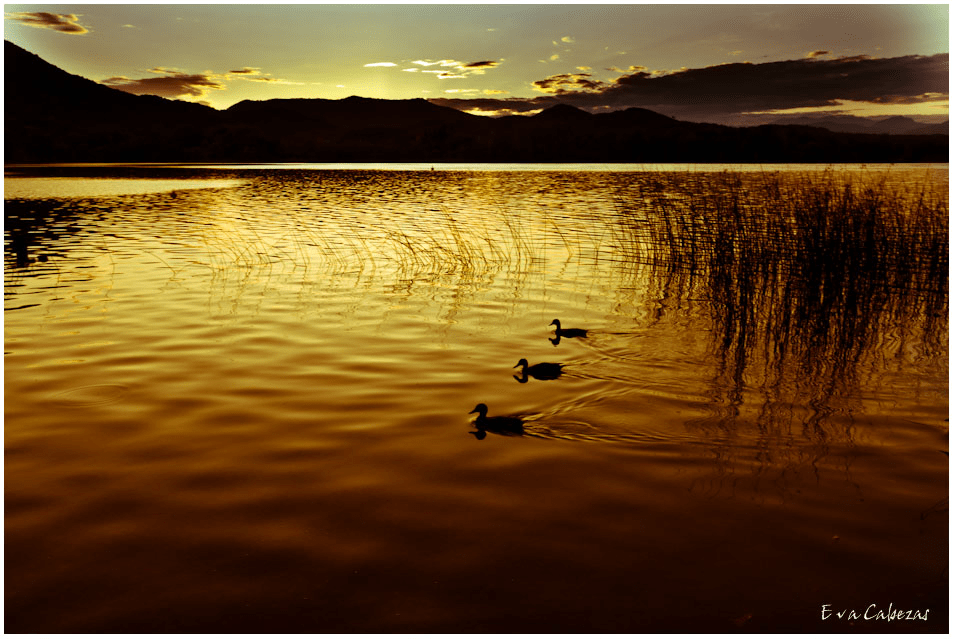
[[543, 370], [499, 425], [568, 332]]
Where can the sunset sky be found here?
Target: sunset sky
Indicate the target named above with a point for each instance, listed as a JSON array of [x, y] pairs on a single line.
[[707, 62]]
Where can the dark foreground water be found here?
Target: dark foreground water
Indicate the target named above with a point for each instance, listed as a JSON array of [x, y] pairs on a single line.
[[237, 400]]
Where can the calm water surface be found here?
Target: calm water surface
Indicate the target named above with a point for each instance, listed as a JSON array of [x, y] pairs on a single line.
[[237, 400]]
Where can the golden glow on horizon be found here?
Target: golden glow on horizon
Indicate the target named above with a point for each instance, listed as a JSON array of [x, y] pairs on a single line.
[[500, 112], [869, 109]]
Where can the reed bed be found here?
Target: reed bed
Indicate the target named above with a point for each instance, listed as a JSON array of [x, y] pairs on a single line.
[[806, 273]]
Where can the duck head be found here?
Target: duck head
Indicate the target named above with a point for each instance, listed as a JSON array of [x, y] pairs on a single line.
[[523, 362], [556, 323], [480, 409]]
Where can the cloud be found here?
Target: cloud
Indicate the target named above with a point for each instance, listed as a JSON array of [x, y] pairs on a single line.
[[267, 78], [567, 39], [171, 83], [723, 90], [633, 68], [568, 83], [449, 69], [496, 106], [443, 63], [817, 54], [254, 74], [62, 22]]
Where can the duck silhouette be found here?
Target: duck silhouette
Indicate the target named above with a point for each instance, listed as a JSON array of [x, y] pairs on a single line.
[[565, 332], [568, 332], [499, 425], [543, 370]]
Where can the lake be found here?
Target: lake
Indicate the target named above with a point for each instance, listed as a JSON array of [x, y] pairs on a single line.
[[240, 399]]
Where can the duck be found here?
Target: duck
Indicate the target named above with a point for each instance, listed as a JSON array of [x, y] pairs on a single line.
[[543, 370], [500, 425], [568, 332]]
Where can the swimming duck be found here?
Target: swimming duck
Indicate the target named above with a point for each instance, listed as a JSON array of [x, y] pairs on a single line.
[[543, 370], [568, 332], [500, 425]]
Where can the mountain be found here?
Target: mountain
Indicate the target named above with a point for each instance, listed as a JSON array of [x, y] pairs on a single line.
[[894, 125], [53, 116], [562, 113], [352, 129]]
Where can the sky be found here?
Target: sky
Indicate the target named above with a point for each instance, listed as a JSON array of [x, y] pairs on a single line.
[[726, 63]]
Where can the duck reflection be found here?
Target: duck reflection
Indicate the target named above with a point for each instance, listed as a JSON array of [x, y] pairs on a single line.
[[499, 425], [565, 332], [568, 332], [541, 371]]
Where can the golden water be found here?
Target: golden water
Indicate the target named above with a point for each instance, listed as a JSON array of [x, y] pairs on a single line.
[[236, 400]]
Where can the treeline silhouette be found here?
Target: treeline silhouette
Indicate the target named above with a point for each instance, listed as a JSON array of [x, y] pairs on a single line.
[[53, 116]]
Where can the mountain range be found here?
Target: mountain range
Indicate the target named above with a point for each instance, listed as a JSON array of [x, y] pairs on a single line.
[[893, 125], [53, 116]]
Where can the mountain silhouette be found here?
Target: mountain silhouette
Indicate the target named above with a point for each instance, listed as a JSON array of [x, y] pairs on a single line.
[[894, 125], [53, 116]]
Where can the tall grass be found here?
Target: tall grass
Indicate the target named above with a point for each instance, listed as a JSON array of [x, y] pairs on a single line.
[[803, 273]]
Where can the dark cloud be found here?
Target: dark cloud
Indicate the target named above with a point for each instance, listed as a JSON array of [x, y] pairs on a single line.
[[483, 64], [730, 89], [568, 83], [170, 84], [62, 22], [266, 78], [254, 74]]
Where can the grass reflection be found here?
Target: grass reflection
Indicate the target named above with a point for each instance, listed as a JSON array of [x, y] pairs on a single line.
[[808, 283]]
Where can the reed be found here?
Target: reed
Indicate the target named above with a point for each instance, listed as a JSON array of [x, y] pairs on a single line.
[[805, 273]]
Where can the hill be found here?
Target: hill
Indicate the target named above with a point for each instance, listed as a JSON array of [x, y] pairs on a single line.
[[894, 125], [53, 116]]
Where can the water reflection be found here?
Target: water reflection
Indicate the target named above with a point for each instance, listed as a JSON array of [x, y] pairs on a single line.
[[291, 353], [801, 289], [540, 370], [21, 244], [807, 285], [506, 425], [565, 332]]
